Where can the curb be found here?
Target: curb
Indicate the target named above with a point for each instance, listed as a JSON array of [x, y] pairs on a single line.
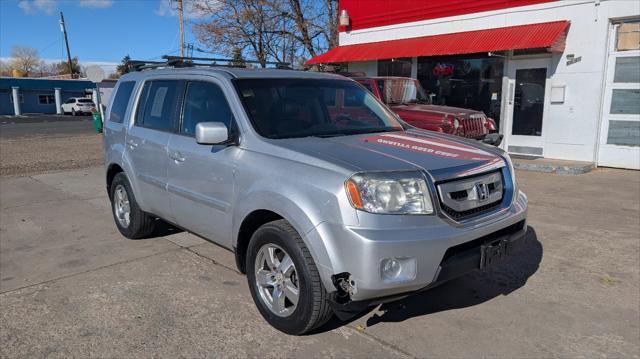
[[557, 169]]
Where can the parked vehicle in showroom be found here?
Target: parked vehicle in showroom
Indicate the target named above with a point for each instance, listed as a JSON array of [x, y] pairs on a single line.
[[78, 106], [406, 97], [326, 211]]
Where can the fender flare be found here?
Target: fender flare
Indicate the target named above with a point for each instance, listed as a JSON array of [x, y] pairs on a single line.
[[296, 216]]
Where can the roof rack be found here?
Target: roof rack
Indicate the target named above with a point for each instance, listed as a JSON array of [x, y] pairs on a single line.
[[178, 61]]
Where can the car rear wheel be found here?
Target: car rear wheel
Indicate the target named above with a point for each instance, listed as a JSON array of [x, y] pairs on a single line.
[[131, 221], [284, 281]]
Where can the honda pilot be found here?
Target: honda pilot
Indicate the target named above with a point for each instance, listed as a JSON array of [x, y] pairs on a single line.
[[328, 209]]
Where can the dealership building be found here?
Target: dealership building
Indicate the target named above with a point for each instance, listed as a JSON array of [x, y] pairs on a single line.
[[561, 78]]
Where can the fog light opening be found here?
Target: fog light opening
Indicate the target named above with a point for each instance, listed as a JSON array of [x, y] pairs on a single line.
[[398, 269]]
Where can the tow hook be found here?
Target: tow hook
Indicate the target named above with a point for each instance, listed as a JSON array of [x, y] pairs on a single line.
[[345, 286], [343, 307]]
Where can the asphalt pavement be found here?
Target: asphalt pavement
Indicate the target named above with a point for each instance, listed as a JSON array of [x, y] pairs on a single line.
[[44, 125], [72, 286]]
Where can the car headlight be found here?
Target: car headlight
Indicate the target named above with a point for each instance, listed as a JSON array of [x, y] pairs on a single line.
[[389, 193], [456, 123], [507, 159]]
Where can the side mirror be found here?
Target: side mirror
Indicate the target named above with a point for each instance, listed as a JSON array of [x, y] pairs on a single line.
[[211, 133]]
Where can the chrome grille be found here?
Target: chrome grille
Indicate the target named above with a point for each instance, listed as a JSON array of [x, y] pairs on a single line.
[[471, 196]]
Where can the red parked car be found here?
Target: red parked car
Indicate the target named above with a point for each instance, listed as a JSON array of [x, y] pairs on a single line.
[[406, 97]]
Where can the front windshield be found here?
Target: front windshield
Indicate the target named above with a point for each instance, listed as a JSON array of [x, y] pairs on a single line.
[[285, 108], [399, 91]]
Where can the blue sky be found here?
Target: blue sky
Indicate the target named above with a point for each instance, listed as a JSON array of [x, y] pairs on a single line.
[[99, 30]]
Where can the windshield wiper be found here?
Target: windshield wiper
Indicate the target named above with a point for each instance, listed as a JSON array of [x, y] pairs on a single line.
[[360, 131]]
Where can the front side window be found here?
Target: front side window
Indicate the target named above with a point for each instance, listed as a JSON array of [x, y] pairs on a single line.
[[204, 102], [285, 108], [120, 101], [158, 105]]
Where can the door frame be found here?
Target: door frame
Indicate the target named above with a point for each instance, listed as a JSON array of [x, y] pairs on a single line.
[[520, 63], [613, 155]]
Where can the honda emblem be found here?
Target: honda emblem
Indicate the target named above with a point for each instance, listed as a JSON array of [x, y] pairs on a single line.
[[482, 191]]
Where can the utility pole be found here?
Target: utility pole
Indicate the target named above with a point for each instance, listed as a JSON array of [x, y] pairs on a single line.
[[63, 28], [181, 28]]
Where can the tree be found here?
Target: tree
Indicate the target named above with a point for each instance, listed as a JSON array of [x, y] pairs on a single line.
[[238, 59], [123, 68], [24, 59], [5, 69], [267, 30], [47, 69], [63, 67], [242, 24]]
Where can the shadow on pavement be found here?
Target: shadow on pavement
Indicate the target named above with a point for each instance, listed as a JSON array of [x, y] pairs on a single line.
[[466, 291], [163, 228]]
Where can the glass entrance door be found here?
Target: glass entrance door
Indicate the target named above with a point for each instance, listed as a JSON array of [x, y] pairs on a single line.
[[527, 99], [620, 128]]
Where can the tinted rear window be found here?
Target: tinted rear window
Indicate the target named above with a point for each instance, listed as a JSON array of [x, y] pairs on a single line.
[[84, 100], [121, 101], [158, 102]]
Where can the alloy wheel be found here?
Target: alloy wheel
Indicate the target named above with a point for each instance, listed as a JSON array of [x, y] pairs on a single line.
[[121, 206], [277, 280]]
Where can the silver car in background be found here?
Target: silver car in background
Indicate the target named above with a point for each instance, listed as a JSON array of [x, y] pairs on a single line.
[[330, 203]]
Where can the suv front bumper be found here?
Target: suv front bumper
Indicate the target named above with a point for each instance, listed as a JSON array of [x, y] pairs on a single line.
[[442, 250]]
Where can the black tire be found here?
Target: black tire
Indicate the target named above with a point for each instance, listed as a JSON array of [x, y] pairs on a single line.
[[313, 308], [141, 224], [73, 112]]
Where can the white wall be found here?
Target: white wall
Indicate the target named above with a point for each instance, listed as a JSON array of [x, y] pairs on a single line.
[[570, 128]]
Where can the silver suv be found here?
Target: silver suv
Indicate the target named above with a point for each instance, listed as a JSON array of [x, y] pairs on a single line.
[[329, 201]]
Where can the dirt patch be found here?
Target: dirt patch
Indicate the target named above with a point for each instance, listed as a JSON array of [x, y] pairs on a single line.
[[34, 155]]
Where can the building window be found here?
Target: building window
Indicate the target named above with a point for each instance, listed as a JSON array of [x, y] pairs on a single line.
[[625, 102], [20, 95], [624, 133], [627, 69], [628, 36], [395, 67], [470, 81], [46, 99]]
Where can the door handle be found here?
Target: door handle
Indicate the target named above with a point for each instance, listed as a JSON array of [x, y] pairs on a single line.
[[177, 157], [132, 144]]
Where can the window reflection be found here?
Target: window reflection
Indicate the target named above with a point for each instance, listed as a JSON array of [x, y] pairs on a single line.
[[472, 81]]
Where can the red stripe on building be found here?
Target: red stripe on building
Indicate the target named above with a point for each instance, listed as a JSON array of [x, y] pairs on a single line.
[[373, 13]]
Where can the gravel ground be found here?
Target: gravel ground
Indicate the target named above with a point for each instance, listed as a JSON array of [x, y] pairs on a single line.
[[34, 155]]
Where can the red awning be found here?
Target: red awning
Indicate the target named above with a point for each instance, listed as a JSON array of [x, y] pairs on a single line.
[[547, 34]]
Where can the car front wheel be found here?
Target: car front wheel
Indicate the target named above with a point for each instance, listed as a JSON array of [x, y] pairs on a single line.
[[284, 281], [131, 221]]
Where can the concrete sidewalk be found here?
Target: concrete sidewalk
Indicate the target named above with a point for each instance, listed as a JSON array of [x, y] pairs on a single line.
[[72, 286]]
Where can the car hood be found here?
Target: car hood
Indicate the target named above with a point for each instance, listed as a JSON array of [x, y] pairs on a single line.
[[441, 110], [439, 155]]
